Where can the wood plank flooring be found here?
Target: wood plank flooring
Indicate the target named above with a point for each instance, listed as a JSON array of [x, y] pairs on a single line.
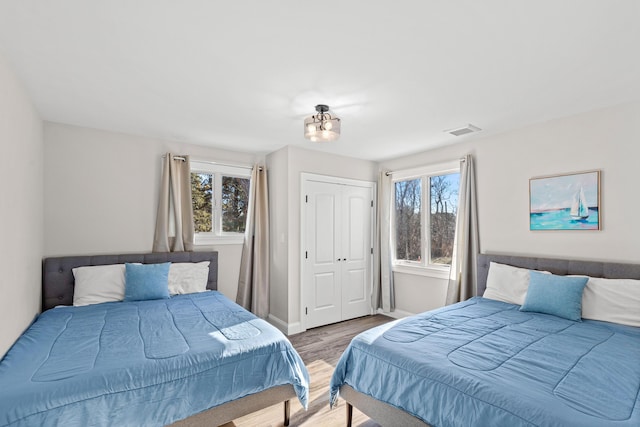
[[320, 349]]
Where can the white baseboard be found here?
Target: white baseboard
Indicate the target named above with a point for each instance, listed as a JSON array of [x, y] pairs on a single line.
[[295, 328], [396, 314], [285, 328]]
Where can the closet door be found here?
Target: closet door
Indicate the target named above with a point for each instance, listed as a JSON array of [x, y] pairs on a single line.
[[336, 268], [356, 251], [322, 262]]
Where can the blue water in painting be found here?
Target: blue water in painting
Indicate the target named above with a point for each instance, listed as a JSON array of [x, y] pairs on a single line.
[[561, 220]]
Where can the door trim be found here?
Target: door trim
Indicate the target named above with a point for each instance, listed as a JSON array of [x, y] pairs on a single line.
[[304, 177]]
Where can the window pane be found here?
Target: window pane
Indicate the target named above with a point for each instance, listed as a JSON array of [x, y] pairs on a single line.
[[201, 192], [408, 206], [444, 208], [235, 196]]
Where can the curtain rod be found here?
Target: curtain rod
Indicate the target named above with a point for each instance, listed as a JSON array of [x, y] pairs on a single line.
[[387, 173], [182, 159]]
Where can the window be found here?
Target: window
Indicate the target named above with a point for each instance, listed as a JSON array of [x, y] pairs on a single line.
[[220, 197], [424, 212]]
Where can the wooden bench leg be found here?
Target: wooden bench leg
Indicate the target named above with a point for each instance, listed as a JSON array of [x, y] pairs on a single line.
[[349, 414], [287, 409]]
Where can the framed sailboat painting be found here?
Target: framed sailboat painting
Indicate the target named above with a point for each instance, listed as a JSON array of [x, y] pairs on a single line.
[[565, 202]]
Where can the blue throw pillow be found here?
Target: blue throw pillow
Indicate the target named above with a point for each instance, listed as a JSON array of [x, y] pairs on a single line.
[[146, 281], [557, 295]]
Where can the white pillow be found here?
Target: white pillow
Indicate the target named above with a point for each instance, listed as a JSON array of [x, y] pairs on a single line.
[[98, 283], [612, 300], [188, 277], [507, 283]]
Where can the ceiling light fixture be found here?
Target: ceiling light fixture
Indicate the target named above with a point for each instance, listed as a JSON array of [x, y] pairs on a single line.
[[322, 126]]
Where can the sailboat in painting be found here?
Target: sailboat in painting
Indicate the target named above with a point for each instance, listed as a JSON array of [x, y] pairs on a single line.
[[579, 208]]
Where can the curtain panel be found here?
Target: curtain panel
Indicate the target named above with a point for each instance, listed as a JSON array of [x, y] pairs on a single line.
[[253, 283], [174, 222], [466, 246], [383, 288]]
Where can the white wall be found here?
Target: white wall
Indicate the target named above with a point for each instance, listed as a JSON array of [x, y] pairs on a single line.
[[287, 228], [605, 139], [278, 173], [21, 226], [101, 193]]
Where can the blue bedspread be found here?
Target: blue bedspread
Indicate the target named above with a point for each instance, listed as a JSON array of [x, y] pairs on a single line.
[[145, 363], [484, 363]]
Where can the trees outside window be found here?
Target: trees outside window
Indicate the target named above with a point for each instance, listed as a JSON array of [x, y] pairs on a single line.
[[408, 215], [202, 199], [444, 209], [424, 234], [235, 197], [220, 196]]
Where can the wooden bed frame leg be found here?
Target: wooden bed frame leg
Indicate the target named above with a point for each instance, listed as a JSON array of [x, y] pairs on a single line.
[[349, 414], [287, 408]]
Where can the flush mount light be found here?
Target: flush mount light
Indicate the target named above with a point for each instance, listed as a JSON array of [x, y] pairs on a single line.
[[322, 126]]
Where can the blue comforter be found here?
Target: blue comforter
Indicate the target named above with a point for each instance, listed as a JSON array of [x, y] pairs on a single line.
[[484, 363], [145, 363]]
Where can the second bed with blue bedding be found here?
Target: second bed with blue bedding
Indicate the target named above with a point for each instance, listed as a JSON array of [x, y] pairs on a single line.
[[143, 363], [483, 362]]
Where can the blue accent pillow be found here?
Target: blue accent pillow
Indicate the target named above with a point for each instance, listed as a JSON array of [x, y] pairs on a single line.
[[557, 295], [146, 281]]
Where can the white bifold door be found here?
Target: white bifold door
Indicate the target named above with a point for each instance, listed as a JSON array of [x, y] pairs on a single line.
[[337, 246]]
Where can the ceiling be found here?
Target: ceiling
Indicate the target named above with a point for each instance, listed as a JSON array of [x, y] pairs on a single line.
[[242, 75]]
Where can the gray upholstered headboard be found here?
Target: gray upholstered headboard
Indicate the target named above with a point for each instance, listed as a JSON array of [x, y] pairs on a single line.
[[609, 270], [58, 281]]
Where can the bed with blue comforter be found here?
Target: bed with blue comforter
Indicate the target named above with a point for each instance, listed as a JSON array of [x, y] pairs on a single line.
[[484, 362], [142, 363]]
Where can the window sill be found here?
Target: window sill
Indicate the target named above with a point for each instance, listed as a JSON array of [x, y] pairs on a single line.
[[217, 240], [431, 271]]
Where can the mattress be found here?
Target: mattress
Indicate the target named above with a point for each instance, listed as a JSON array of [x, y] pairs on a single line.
[[485, 363], [143, 363]]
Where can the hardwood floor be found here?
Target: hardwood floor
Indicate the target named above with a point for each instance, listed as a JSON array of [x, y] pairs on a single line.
[[320, 349]]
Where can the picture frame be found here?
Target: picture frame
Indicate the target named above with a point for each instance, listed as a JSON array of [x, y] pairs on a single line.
[[565, 202]]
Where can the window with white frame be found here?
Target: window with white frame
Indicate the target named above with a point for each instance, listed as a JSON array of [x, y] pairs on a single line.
[[425, 205], [220, 196]]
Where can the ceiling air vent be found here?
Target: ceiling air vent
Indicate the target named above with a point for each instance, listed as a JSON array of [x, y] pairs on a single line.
[[463, 130]]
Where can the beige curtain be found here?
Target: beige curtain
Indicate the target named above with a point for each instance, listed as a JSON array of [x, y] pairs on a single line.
[[253, 284], [174, 223], [383, 289], [466, 246]]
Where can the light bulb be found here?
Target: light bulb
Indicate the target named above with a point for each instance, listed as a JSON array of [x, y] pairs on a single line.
[[311, 128], [314, 139], [328, 125]]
